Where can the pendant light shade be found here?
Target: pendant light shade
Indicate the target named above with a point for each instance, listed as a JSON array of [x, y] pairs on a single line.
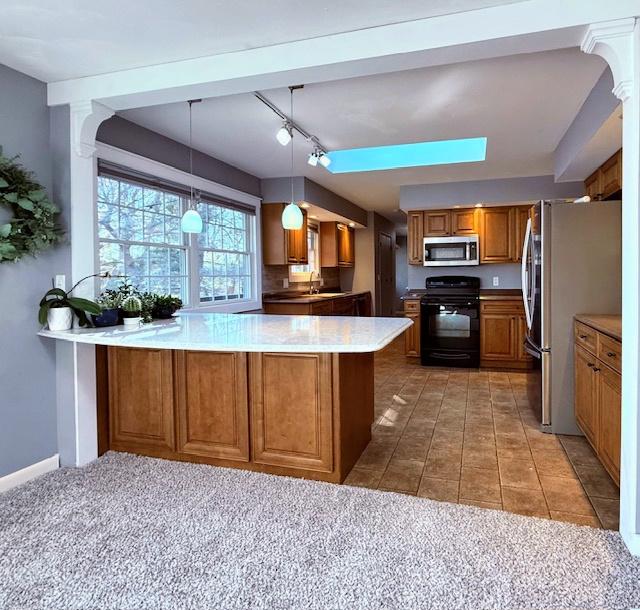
[[191, 222], [292, 217]]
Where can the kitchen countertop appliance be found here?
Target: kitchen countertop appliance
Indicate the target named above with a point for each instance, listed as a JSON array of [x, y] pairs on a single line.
[[450, 322], [571, 264]]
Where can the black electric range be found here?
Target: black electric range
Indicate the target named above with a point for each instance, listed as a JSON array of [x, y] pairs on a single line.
[[450, 322]]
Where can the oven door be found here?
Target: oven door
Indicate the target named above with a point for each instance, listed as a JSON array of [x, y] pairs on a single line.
[[450, 251], [450, 331]]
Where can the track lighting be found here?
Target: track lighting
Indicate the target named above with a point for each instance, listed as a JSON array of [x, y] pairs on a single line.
[[284, 134], [313, 159], [324, 159]]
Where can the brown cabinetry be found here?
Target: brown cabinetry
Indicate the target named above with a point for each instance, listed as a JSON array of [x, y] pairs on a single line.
[[140, 399], [348, 305], [292, 421], [464, 222], [437, 223], [597, 395], [415, 234], [497, 243], [502, 333], [606, 181], [281, 246], [520, 217], [212, 407], [337, 245], [412, 334]]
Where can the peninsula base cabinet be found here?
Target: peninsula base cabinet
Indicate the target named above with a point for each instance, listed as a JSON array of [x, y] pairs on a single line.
[[598, 395], [306, 415]]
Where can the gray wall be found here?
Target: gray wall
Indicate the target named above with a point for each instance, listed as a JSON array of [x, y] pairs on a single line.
[[124, 134], [508, 274], [402, 276], [27, 362]]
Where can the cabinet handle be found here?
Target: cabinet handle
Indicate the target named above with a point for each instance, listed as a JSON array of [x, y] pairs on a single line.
[[611, 354], [590, 365], [595, 369], [582, 336]]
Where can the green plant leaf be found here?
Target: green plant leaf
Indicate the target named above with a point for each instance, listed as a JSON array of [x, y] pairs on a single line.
[[26, 204], [42, 313], [11, 197], [38, 195], [5, 230], [3, 183], [84, 305]]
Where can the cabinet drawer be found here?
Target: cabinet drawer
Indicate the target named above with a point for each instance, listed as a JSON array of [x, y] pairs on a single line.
[[610, 351], [412, 306], [322, 309], [506, 306], [586, 337]]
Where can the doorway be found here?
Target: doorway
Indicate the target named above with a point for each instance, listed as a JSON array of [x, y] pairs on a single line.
[[385, 285]]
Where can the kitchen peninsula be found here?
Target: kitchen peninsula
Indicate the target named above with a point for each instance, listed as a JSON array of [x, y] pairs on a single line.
[[281, 394]]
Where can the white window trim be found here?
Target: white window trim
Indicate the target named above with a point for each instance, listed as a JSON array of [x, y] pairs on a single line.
[[167, 172]]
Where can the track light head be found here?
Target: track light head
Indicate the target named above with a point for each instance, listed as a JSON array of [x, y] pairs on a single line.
[[324, 159], [313, 159], [284, 134]]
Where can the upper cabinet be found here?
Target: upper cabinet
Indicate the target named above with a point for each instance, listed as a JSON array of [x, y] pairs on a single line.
[[500, 230], [281, 246], [337, 245], [606, 181]]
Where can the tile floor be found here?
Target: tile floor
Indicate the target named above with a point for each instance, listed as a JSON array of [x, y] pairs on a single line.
[[469, 436]]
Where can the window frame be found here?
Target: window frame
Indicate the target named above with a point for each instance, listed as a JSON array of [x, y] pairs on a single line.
[[138, 163], [303, 276]]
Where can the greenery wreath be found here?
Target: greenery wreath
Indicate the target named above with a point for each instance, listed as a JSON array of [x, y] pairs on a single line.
[[34, 225]]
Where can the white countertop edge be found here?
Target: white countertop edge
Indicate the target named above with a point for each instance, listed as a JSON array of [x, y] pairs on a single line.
[[146, 342]]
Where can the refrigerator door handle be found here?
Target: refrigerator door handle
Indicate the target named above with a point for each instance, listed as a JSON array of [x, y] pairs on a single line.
[[525, 283]]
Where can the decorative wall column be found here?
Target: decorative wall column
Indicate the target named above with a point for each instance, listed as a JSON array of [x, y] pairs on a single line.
[[618, 42], [75, 364]]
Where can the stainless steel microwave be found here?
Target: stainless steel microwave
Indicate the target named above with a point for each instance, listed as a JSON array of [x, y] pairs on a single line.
[[451, 251]]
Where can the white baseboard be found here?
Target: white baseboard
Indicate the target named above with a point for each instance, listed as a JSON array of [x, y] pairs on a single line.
[[30, 472]]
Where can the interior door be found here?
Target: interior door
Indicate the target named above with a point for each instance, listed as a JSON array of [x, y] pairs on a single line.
[[385, 290]]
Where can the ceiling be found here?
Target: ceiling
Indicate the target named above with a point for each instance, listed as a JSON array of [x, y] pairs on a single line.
[[522, 103], [75, 38]]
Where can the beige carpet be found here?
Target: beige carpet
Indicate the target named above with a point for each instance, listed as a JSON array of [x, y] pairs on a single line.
[[129, 532]]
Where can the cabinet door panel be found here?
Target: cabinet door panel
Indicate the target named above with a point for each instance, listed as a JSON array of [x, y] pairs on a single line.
[[213, 418], [437, 223], [609, 403], [496, 235], [586, 406], [593, 185], [345, 246], [463, 222], [611, 175], [412, 336], [415, 234], [291, 409], [497, 337], [520, 218], [523, 355], [140, 398]]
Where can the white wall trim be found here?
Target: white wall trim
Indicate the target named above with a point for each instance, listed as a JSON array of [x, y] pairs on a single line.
[[168, 172], [23, 475]]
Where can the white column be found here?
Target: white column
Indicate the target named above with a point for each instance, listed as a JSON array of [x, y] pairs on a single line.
[[618, 42], [75, 364]]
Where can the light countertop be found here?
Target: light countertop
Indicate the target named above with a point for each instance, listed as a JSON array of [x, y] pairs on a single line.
[[248, 333], [608, 324]]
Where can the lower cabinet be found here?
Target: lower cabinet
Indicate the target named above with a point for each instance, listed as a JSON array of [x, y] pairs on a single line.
[[412, 334], [292, 421], [597, 397], [298, 414], [140, 399], [349, 305], [502, 334], [212, 404]]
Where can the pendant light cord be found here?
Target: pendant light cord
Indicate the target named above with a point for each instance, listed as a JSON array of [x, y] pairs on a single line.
[[191, 206], [291, 115]]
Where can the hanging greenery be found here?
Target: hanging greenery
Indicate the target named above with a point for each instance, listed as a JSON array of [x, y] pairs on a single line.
[[33, 226]]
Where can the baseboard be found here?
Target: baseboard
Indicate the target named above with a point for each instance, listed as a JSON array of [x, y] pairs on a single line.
[[30, 472]]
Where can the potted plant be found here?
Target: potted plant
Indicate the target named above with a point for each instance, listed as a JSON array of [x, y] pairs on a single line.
[[131, 311], [109, 302], [147, 300], [165, 306], [57, 308]]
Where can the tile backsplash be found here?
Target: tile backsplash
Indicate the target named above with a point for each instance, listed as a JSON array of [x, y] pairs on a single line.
[[272, 276]]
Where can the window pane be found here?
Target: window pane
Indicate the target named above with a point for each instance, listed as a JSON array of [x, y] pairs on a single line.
[[130, 195], [171, 205], [153, 227], [173, 233], [131, 223], [108, 221], [153, 201]]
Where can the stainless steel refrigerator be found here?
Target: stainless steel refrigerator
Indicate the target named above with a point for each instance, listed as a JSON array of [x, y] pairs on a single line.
[[571, 264]]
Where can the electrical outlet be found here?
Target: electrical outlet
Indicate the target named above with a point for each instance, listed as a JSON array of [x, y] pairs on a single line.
[[60, 281], [496, 280], [321, 281], [285, 283]]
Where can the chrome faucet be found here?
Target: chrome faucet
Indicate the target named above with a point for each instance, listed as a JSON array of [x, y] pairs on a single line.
[[312, 289]]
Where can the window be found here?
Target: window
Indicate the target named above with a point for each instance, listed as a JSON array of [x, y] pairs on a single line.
[[139, 234], [302, 273], [140, 237], [223, 254]]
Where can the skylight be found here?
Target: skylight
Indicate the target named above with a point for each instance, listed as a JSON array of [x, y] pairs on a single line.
[[442, 152]]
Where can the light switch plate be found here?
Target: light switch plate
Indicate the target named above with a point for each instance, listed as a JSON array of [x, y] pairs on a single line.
[[321, 281], [285, 283], [60, 281], [496, 280]]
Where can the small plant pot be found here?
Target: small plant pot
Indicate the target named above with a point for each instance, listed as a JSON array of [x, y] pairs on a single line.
[[132, 322], [107, 317], [163, 313], [60, 318]]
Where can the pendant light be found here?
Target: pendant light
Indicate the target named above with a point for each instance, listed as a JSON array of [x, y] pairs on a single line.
[[191, 221], [292, 215]]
